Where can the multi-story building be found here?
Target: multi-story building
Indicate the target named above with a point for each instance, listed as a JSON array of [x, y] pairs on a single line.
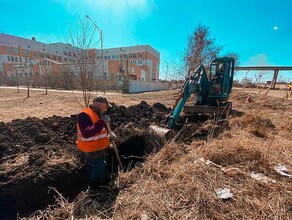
[[137, 62]]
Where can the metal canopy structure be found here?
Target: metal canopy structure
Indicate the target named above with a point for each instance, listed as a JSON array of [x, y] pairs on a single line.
[[276, 70]]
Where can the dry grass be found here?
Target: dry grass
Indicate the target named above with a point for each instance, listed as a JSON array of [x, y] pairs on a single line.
[[180, 181]]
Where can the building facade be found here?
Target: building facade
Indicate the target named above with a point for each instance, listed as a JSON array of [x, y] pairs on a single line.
[[29, 56]]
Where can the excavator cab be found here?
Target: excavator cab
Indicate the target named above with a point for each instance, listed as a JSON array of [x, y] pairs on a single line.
[[211, 90], [220, 79], [211, 93]]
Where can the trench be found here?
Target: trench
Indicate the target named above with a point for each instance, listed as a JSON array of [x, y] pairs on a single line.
[[26, 196]]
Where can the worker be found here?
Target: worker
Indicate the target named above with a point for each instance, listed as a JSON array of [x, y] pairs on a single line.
[[93, 140], [217, 82]]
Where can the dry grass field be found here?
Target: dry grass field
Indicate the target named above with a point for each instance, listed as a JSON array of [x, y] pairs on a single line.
[[15, 105], [248, 154]]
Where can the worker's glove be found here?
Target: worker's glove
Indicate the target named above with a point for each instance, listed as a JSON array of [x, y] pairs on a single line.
[[106, 118], [113, 136]]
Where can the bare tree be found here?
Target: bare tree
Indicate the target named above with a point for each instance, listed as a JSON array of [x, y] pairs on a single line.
[[27, 77], [235, 56], [83, 64], [201, 48], [15, 69], [67, 78], [258, 78], [44, 72]]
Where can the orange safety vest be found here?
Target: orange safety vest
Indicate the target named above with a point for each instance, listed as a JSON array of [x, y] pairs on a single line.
[[97, 142]]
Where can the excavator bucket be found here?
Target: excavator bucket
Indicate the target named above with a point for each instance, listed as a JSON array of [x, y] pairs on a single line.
[[157, 137]]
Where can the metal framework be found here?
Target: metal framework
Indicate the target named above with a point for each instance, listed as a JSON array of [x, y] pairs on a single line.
[[276, 70]]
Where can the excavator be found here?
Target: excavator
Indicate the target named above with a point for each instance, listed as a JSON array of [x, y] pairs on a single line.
[[211, 93]]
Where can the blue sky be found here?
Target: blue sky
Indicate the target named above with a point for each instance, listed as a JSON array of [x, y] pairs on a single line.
[[260, 31]]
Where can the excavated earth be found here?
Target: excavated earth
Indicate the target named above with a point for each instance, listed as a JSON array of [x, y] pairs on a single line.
[[39, 156]]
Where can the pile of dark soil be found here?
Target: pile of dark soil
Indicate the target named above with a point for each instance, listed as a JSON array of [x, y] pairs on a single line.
[[38, 154], [41, 154]]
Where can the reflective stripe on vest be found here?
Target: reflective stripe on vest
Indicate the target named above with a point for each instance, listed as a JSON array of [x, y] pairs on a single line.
[[98, 142], [94, 137]]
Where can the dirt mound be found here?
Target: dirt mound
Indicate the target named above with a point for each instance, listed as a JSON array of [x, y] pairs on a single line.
[[37, 154]]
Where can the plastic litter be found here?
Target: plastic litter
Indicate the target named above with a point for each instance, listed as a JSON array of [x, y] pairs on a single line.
[[282, 170], [262, 178], [223, 193]]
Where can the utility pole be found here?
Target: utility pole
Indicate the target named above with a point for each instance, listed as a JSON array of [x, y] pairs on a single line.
[[127, 65], [166, 72], [101, 45]]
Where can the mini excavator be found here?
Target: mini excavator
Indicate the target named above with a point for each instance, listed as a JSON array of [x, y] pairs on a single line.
[[211, 93]]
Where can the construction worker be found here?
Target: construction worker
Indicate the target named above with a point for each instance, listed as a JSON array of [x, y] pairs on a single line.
[[217, 81], [93, 139]]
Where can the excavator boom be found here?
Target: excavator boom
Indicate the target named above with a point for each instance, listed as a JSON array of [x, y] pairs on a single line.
[[211, 94]]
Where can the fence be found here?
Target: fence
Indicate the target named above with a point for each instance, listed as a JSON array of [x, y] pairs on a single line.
[[141, 86]]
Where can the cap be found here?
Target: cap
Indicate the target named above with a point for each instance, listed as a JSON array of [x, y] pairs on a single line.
[[102, 99]]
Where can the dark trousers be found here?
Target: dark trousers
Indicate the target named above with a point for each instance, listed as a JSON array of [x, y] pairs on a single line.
[[97, 167]]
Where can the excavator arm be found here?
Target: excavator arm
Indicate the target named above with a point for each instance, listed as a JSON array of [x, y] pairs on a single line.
[[212, 93], [196, 84]]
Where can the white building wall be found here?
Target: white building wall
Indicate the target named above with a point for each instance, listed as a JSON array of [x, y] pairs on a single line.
[[141, 86]]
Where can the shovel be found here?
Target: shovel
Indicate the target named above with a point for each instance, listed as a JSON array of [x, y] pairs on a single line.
[[114, 146]]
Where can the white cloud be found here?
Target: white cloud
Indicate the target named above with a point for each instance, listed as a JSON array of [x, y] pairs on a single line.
[[275, 28], [258, 60]]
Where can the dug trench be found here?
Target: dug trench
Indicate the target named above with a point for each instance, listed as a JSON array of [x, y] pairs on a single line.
[[40, 155]]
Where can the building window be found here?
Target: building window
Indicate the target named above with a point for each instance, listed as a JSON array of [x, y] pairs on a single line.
[[134, 55], [8, 57], [26, 53], [140, 55]]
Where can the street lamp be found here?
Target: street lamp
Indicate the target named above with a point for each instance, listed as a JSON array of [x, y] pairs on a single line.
[[101, 43]]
